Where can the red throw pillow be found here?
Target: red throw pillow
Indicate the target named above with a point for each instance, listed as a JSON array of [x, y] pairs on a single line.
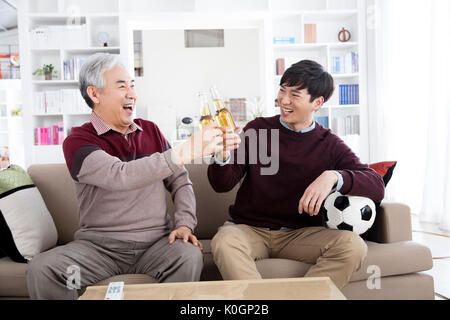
[[384, 169]]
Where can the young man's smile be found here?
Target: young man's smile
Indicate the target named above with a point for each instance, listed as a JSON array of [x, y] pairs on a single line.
[[296, 106]]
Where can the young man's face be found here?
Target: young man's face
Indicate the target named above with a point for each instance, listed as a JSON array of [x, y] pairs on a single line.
[[116, 102], [296, 107]]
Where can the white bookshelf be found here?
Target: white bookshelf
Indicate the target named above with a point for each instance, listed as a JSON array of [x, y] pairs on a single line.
[[120, 18], [288, 18], [11, 126], [70, 29]]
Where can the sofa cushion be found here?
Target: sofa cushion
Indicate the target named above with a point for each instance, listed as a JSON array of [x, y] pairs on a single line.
[[212, 207], [395, 259], [384, 169], [26, 226], [58, 191], [392, 259], [13, 278]]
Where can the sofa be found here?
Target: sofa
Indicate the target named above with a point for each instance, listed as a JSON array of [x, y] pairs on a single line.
[[399, 260]]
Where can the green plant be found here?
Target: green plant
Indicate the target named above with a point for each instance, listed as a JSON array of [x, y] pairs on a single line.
[[16, 112], [46, 69]]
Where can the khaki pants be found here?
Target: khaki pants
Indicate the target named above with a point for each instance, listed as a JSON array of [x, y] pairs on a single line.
[[333, 253]]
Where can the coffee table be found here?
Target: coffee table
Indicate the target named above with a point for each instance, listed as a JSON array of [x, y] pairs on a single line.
[[267, 289]]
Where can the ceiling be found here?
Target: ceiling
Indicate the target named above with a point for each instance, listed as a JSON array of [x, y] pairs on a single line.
[[8, 15]]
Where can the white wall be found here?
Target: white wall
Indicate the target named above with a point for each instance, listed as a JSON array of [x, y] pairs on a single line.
[[173, 74]]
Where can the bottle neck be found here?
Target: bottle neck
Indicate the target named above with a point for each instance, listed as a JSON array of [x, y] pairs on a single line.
[[219, 104], [205, 110]]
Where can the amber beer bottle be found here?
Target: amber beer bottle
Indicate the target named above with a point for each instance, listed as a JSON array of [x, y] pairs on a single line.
[[223, 116], [205, 112]]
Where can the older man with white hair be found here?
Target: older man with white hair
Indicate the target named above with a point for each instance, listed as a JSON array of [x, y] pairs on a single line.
[[121, 169]]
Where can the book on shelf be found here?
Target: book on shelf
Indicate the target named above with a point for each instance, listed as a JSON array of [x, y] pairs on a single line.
[[345, 64], [59, 101], [283, 40], [348, 94], [53, 135], [280, 66], [310, 33], [72, 68], [344, 126]]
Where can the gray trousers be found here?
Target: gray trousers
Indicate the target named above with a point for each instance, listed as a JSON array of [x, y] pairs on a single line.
[[59, 272]]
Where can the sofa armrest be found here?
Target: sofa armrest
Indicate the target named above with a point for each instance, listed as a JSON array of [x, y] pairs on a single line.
[[392, 223]]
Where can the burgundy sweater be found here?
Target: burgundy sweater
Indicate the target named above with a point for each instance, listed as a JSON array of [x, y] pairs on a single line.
[[271, 201]]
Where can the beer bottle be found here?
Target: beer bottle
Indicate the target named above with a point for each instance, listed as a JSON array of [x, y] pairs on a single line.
[[223, 116], [206, 117]]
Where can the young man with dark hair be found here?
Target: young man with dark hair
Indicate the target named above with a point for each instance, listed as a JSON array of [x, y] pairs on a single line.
[[277, 215]]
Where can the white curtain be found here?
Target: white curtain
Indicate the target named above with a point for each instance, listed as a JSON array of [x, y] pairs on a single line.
[[409, 101]]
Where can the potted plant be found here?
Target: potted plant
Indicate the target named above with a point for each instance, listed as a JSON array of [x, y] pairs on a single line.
[[47, 70]]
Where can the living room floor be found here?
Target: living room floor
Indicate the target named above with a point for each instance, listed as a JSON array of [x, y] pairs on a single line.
[[438, 241]]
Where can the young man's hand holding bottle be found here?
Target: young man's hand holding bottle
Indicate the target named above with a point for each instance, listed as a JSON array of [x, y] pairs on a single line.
[[231, 141]]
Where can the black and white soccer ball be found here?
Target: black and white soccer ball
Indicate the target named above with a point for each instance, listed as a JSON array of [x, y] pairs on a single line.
[[350, 213]]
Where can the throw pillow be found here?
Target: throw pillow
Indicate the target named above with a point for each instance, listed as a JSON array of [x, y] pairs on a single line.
[[26, 226], [384, 169]]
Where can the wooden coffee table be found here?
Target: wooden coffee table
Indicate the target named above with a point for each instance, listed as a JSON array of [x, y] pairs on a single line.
[[266, 289]]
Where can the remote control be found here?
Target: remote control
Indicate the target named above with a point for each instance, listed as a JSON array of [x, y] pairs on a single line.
[[115, 291]]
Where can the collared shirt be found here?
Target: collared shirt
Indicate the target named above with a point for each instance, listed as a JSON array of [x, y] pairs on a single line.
[[310, 128], [101, 127]]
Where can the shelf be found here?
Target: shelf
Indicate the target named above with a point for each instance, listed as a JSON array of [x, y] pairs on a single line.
[[316, 14], [342, 106], [50, 146], [345, 75], [302, 46], [78, 50], [55, 82], [62, 114], [92, 49], [339, 45], [64, 17], [335, 76]]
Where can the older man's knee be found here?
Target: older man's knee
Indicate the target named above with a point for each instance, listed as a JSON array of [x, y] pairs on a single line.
[[40, 265], [189, 253]]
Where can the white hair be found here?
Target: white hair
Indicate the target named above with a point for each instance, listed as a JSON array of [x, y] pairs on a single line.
[[91, 73]]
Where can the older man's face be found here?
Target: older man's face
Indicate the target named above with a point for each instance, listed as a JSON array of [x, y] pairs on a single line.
[[118, 99]]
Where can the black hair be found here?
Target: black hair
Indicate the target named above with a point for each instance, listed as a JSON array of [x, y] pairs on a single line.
[[309, 75]]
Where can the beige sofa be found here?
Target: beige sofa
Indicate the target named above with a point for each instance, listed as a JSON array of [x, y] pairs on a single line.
[[390, 248]]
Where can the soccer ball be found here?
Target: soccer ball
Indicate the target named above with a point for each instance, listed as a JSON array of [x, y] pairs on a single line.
[[350, 213]]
